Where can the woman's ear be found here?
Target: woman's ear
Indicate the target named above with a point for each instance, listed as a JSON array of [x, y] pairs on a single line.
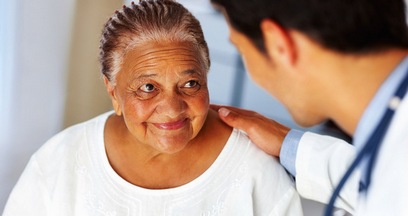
[[278, 43], [112, 94]]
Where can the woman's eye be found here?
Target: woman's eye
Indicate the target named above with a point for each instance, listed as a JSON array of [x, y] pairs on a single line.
[[147, 88], [191, 84], [191, 87]]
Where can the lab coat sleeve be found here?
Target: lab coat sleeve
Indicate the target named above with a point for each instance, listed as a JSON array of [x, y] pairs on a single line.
[[29, 196], [321, 162]]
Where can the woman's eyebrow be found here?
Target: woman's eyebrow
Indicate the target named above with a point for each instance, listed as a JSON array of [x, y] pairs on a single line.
[[146, 75], [190, 72]]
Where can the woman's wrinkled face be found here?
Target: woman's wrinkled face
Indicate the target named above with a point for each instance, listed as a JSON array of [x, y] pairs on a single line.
[[161, 91]]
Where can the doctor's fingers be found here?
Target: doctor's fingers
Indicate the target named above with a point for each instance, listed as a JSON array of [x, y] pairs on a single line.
[[237, 117], [241, 111], [266, 133]]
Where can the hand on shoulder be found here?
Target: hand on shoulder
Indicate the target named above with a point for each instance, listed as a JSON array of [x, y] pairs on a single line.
[[266, 133]]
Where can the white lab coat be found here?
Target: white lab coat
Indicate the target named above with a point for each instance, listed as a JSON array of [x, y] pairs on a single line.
[[321, 162]]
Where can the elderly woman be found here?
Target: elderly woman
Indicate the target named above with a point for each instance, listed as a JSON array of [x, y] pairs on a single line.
[[162, 151]]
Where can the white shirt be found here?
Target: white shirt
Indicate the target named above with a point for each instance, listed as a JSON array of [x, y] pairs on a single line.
[[71, 175]]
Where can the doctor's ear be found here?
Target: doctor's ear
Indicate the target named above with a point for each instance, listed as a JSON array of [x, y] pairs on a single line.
[[110, 88], [278, 42]]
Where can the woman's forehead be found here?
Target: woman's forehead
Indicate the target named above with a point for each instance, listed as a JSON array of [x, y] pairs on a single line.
[[162, 49], [155, 59], [161, 54]]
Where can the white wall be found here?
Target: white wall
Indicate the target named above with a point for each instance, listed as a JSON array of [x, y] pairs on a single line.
[[7, 44], [34, 48]]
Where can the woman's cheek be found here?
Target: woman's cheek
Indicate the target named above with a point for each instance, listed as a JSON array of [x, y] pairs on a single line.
[[140, 110]]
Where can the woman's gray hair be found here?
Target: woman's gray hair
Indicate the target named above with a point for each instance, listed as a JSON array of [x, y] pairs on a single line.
[[148, 21]]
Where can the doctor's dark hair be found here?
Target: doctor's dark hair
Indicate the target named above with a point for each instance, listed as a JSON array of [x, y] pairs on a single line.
[[346, 26], [145, 22]]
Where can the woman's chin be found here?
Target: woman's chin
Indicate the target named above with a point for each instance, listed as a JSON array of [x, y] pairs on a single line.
[[171, 145]]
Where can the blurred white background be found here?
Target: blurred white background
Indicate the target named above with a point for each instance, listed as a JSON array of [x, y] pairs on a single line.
[[50, 79]]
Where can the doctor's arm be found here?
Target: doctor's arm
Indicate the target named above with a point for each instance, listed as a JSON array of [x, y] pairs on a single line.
[[318, 162]]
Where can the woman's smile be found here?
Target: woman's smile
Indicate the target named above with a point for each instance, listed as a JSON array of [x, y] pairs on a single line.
[[174, 125]]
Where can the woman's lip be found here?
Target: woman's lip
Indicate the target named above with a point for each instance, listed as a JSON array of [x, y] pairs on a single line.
[[171, 125]]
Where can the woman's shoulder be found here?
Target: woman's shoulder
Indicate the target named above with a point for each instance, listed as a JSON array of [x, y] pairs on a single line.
[[239, 144], [250, 151], [258, 163], [262, 168], [68, 141]]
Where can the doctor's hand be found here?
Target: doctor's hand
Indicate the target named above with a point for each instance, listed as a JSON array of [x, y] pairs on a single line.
[[266, 133]]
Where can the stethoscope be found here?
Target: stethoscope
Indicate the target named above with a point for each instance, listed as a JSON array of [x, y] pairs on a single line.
[[370, 149]]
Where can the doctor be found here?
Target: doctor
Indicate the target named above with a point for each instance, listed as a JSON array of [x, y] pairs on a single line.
[[330, 59]]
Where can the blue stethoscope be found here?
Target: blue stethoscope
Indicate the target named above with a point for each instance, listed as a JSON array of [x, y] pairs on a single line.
[[370, 149]]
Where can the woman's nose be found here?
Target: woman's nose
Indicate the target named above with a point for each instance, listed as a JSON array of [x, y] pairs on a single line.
[[171, 104]]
